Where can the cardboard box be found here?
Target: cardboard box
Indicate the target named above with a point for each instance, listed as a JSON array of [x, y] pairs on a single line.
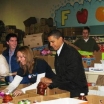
[[50, 95], [20, 97], [1, 48], [36, 52], [69, 43], [95, 90], [32, 29], [2, 88], [27, 30], [56, 92], [34, 40], [98, 57], [48, 59], [88, 64], [22, 86], [36, 99], [94, 99]]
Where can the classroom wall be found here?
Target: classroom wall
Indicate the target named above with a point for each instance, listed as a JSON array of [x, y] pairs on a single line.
[[14, 12]]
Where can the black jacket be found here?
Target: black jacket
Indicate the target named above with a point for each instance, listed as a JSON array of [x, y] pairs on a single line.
[[70, 73]]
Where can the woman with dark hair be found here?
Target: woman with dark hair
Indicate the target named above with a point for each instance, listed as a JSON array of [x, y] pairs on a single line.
[[32, 67]]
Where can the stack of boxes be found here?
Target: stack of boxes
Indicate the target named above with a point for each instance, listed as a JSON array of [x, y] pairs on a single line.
[[44, 26], [35, 42], [28, 22]]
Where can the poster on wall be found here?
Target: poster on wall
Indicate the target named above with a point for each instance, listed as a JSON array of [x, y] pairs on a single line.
[[89, 13]]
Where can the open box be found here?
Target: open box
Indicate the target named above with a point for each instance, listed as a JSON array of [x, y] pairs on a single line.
[[56, 92]]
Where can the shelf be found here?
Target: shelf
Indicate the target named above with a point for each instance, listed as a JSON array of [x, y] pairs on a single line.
[[94, 73], [91, 35]]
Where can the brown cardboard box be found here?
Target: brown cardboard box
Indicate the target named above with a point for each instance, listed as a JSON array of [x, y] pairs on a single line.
[[1, 48], [36, 52], [86, 65], [2, 88], [43, 21], [72, 31], [32, 28], [27, 30], [20, 96], [22, 86], [48, 59], [98, 56], [36, 99], [93, 88], [19, 87], [34, 40], [56, 92], [69, 43], [32, 93], [94, 99]]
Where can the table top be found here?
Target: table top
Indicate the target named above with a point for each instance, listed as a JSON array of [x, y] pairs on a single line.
[[94, 73]]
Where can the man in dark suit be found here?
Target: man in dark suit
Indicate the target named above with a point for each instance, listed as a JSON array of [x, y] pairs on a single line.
[[69, 69]]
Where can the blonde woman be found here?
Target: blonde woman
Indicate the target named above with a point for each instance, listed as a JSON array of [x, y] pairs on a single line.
[[32, 67]]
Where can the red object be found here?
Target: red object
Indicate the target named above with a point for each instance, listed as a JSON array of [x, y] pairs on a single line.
[[83, 56], [41, 88], [7, 98], [82, 97], [89, 84], [82, 16]]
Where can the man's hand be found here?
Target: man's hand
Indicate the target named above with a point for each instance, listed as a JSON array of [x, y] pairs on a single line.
[[17, 92], [47, 81]]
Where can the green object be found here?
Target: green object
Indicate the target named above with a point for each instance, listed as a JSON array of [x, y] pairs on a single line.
[[21, 102], [2, 83], [102, 56], [85, 52], [24, 102], [27, 102]]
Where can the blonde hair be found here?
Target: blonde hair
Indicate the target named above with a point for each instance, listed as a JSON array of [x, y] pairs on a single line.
[[29, 57]]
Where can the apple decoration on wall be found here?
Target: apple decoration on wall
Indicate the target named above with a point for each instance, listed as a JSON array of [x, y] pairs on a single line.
[[82, 16]]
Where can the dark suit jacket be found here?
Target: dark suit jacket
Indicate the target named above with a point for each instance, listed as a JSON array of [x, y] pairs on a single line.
[[70, 74]]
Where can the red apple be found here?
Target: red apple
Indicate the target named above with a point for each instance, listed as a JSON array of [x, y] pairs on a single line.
[[82, 16]]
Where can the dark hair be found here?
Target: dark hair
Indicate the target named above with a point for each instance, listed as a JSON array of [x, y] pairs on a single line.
[[86, 28], [11, 35], [56, 33]]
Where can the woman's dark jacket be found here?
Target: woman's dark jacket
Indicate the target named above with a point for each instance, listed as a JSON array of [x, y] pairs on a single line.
[[40, 66]]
